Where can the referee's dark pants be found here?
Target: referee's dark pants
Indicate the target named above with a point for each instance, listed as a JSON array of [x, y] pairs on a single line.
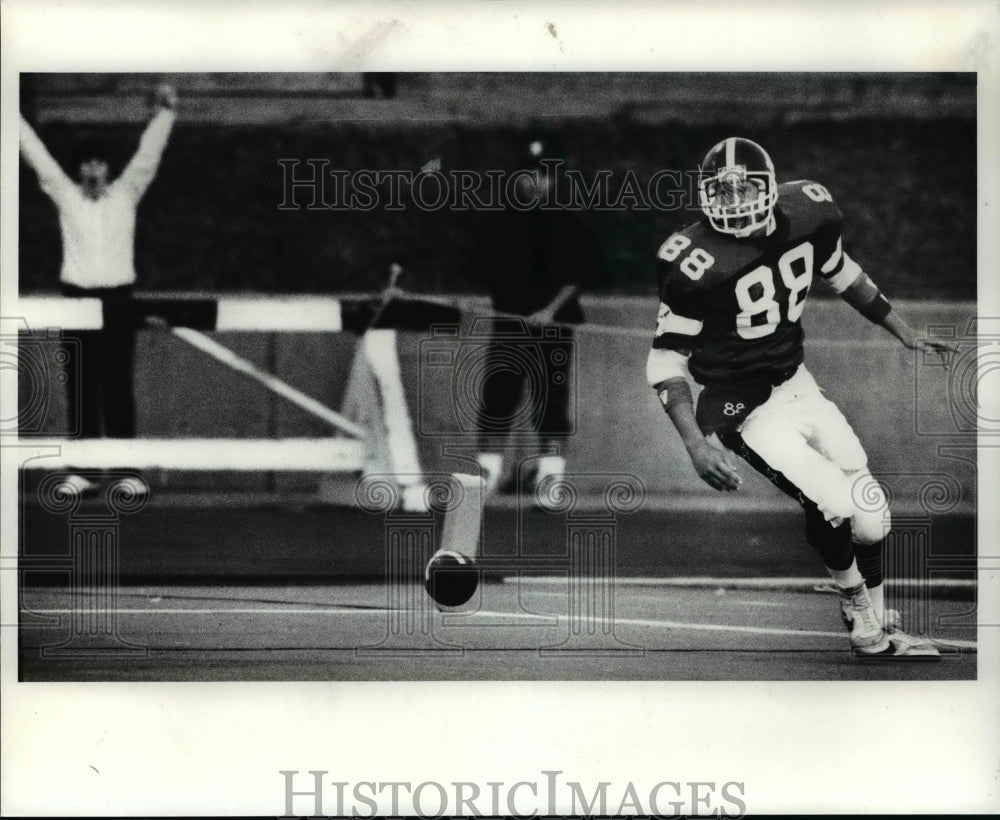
[[100, 388], [525, 375]]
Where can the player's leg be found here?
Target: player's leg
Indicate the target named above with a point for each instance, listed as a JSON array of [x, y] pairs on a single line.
[[775, 437], [828, 531], [551, 407], [118, 382], [118, 361], [779, 439], [870, 525], [83, 409], [119, 395], [83, 380], [832, 436], [502, 378]]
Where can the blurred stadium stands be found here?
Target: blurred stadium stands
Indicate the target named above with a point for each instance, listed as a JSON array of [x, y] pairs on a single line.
[[517, 97], [897, 151]]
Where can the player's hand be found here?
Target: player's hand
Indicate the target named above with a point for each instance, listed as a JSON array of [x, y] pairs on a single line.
[[166, 96], [946, 350], [717, 467]]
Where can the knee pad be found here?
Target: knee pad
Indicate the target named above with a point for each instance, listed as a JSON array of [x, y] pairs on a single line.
[[835, 500], [871, 520]]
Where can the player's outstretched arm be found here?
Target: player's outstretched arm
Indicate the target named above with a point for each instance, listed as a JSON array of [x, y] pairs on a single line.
[[865, 297], [898, 327], [141, 170], [51, 177], [716, 466]]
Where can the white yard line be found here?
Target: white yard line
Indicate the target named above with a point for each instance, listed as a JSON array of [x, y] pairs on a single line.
[[752, 630], [699, 582]]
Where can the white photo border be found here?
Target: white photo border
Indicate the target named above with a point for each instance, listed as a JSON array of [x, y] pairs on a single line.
[[217, 748]]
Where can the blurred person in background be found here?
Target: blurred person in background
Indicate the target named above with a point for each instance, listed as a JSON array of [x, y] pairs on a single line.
[[97, 222], [534, 259]]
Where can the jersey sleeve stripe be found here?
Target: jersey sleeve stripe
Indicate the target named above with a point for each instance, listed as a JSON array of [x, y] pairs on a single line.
[[830, 266], [669, 322], [843, 279]]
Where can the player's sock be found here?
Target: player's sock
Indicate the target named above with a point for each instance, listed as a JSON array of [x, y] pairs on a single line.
[[877, 595], [491, 465], [550, 471], [870, 565], [550, 466], [847, 578], [870, 562]]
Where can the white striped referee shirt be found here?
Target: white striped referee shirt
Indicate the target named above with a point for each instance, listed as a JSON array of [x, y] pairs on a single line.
[[98, 236]]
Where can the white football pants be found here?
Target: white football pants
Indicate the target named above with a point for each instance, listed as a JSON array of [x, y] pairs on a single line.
[[803, 435]]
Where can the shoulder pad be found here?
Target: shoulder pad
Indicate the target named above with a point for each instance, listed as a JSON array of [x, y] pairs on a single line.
[[809, 201]]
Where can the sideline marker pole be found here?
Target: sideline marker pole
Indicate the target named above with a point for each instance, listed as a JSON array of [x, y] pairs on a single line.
[[463, 524]]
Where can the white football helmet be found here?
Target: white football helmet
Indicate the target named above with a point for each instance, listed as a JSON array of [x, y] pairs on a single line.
[[737, 189]]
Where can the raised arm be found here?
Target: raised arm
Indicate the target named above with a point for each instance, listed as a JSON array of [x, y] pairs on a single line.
[[51, 177], [141, 170]]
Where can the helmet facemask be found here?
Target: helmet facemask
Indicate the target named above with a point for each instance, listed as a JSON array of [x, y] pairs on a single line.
[[738, 200]]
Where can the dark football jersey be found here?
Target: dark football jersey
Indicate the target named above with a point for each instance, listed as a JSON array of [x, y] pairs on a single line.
[[735, 304]]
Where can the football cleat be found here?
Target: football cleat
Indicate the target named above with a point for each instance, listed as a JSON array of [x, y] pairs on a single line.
[[737, 189], [903, 645], [76, 485], [866, 633], [892, 619], [132, 486]]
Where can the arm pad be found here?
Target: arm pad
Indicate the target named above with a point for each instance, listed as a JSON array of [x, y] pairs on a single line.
[[865, 297], [673, 392]]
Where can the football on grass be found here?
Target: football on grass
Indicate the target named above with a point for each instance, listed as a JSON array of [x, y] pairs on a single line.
[[451, 578]]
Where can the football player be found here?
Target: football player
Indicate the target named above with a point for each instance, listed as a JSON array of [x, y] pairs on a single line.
[[732, 289]]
